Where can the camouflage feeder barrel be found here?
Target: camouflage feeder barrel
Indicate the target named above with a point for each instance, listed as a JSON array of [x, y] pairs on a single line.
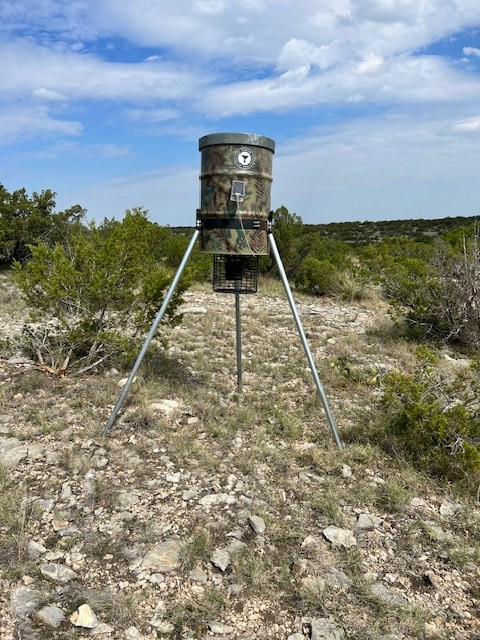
[[236, 176]]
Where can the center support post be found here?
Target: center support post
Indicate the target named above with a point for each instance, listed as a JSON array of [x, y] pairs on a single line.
[[239, 345]]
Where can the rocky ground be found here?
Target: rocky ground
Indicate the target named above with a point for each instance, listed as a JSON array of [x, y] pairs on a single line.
[[204, 516]]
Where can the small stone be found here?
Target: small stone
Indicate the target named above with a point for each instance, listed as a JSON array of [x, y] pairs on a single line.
[[58, 573], [35, 549], [448, 509], [221, 559], [127, 500], [60, 525], [388, 596], [216, 498], [24, 600], [324, 629], [123, 381], [163, 557], [11, 457], [189, 494], [418, 502], [364, 522], [346, 471], [340, 537], [296, 636], [220, 629], [84, 617], [101, 629], [66, 491], [162, 626], [257, 523], [51, 617], [433, 579], [164, 406], [198, 575], [173, 478]]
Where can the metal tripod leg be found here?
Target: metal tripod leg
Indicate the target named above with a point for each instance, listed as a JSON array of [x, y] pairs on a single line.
[[239, 345], [151, 333], [311, 362]]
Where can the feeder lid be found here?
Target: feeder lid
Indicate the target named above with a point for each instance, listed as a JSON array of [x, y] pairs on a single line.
[[251, 139]]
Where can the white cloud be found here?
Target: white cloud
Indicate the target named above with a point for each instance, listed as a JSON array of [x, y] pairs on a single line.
[[24, 123], [299, 53], [471, 51], [209, 7], [26, 67], [471, 125], [47, 94], [370, 63], [402, 79], [389, 11], [152, 115]]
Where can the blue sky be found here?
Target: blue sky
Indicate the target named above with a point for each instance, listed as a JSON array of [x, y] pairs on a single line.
[[374, 104]]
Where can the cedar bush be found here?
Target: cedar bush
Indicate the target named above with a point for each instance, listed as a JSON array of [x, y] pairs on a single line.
[[95, 295], [26, 220], [434, 421]]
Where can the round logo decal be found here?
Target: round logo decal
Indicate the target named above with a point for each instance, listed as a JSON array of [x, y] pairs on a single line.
[[244, 158]]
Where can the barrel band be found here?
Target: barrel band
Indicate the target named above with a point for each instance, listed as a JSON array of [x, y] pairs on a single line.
[[234, 223]]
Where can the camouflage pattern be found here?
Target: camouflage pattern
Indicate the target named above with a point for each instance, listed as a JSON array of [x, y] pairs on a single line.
[[224, 222]]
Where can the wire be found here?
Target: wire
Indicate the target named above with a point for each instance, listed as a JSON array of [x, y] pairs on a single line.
[[239, 214]]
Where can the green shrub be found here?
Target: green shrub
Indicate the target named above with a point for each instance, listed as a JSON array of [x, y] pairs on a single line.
[[315, 276], [435, 286], [434, 422], [95, 295]]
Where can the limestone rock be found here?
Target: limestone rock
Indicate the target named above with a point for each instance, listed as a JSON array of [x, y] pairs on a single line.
[[84, 617], [101, 629], [448, 509], [35, 549], [127, 499], [340, 537], [58, 573], [257, 523], [324, 629], [386, 595], [24, 600], [166, 406], [216, 498], [163, 557], [51, 617], [220, 629], [365, 522], [221, 559]]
